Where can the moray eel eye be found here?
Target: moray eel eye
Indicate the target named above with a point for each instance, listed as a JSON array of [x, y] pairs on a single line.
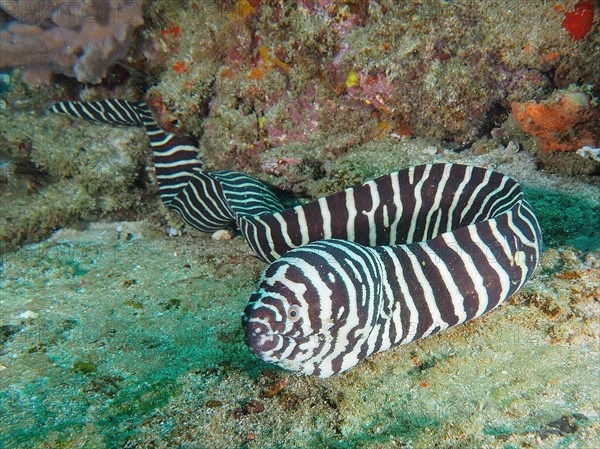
[[293, 313]]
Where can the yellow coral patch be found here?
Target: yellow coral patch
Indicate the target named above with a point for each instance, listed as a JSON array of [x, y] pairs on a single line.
[[244, 8], [351, 79]]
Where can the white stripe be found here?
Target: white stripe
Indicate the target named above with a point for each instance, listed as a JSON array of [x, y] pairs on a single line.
[[436, 227], [507, 200], [162, 142], [284, 231], [436, 202], [413, 316], [411, 175], [488, 197], [74, 112], [473, 196], [399, 207], [326, 215], [493, 264], [302, 224], [474, 275], [174, 175], [461, 187], [457, 299], [428, 294], [95, 106], [418, 204], [269, 236], [204, 199], [370, 214], [110, 105], [352, 213], [246, 227], [193, 163], [500, 239], [523, 239], [340, 343], [175, 149], [192, 220]]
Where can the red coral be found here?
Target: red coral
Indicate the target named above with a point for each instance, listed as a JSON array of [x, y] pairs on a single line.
[[579, 21], [179, 67], [173, 31]]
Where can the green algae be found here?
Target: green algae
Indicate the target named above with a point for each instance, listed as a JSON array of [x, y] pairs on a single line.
[[83, 367], [566, 219], [131, 405]]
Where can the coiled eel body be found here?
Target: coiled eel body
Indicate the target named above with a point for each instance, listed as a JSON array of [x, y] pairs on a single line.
[[374, 266]]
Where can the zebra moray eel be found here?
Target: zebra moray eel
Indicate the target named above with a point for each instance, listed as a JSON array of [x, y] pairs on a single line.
[[205, 201], [374, 266]]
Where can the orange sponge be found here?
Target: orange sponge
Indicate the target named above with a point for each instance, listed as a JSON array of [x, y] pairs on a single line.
[[561, 124]]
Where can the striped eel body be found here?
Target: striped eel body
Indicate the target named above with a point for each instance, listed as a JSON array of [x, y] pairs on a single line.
[[205, 201], [374, 266]]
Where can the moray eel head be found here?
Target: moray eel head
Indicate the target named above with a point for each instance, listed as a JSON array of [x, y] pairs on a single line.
[[300, 309]]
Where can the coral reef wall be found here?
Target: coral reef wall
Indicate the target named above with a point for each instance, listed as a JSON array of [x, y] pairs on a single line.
[[314, 96], [279, 75]]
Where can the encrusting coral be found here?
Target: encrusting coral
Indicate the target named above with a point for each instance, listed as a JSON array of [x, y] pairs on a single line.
[[80, 39]]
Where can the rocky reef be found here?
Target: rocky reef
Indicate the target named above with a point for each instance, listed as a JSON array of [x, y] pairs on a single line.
[[120, 326], [292, 93], [279, 80]]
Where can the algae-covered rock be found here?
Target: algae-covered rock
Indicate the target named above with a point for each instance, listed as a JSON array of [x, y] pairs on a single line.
[[76, 171]]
